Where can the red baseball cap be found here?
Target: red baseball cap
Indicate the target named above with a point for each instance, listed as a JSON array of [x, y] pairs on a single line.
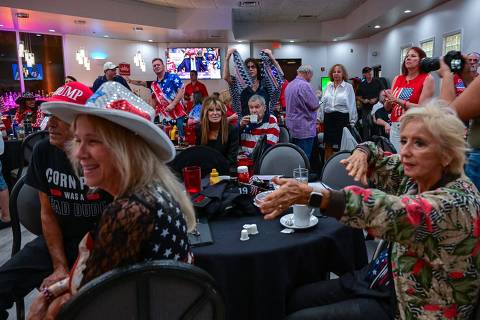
[[71, 93]]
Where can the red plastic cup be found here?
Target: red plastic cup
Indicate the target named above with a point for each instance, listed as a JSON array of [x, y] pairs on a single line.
[[192, 178]]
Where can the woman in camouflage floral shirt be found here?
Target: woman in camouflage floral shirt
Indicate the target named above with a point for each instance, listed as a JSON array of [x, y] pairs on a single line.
[[425, 205]]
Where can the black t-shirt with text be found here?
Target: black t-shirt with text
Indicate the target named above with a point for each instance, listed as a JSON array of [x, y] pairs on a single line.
[[76, 208]]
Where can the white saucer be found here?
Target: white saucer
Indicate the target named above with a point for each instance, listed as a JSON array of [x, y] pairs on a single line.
[[289, 217]]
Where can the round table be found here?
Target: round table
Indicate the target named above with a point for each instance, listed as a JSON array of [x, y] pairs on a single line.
[[257, 276]]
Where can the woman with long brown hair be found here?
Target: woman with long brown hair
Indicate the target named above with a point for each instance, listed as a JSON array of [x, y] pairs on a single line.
[[215, 132], [410, 88]]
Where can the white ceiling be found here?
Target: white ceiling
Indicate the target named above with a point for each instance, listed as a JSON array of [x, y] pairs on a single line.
[[272, 10], [213, 20]]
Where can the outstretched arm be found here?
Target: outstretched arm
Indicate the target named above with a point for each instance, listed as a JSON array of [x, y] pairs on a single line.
[[137, 82], [274, 61], [226, 68]]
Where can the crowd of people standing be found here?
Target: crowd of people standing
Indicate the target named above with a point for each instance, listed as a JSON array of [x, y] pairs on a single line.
[[423, 204]]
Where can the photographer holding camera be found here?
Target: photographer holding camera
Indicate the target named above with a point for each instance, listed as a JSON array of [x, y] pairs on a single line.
[[409, 89], [466, 103]]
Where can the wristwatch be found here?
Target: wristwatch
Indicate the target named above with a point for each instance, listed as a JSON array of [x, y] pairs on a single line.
[[315, 199]]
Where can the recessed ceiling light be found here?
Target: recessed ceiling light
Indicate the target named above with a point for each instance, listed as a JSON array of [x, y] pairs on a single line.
[[1, 25], [240, 41], [292, 41], [407, 11], [335, 39], [377, 27], [150, 40], [51, 30], [106, 36], [39, 35]]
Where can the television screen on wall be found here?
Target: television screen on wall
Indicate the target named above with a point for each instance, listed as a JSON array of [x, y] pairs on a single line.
[[34, 72], [206, 61], [325, 82]]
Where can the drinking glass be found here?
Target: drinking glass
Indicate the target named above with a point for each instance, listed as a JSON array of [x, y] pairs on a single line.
[[301, 175], [192, 178]]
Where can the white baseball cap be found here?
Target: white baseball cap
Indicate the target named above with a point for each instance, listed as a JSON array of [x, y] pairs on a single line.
[[109, 66]]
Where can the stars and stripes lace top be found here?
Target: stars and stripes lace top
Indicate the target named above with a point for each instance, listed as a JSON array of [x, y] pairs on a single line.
[[143, 226], [408, 90]]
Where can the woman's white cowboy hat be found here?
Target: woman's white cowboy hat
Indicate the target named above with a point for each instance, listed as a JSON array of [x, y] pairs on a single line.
[[115, 103]]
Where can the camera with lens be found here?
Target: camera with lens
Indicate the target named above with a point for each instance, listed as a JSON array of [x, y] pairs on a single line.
[[453, 59]]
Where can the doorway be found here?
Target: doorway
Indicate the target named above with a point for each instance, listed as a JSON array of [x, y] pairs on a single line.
[[289, 67]]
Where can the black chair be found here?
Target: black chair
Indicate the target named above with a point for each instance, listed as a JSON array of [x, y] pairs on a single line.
[[334, 173], [161, 289], [205, 157], [24, 210], [281, 159], [27, 149], [29, 143]]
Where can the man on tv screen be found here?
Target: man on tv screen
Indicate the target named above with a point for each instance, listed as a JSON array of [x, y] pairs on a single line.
[[193, 61]]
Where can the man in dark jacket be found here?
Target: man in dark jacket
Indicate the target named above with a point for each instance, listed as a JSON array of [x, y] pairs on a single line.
[[110, 74]]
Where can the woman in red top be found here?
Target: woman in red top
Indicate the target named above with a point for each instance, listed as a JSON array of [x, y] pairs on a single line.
[[409, 89]]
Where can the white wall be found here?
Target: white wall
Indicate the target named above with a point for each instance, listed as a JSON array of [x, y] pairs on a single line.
[[352, 54], [452, 16], [116, 51]]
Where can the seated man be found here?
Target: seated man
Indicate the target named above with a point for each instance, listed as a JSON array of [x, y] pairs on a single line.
[[68, 211], [256, 125], [381, 118]]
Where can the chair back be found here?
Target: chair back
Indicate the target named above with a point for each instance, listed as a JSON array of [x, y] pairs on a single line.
[[205, 157], [281, 159], [334, 173], [162, 289], [29, 143], [284, 135], [24, 210]]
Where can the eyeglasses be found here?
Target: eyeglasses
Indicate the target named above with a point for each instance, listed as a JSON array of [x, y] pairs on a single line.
[[251, 66]]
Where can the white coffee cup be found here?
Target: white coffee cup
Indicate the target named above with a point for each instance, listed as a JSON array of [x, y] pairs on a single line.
[[301, 215], [253, 118]]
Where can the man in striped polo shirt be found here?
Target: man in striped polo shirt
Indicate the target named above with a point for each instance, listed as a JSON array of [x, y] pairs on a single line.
[[256, 125]]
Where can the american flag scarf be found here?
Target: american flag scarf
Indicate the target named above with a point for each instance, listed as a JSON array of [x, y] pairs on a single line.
[[271, 80]]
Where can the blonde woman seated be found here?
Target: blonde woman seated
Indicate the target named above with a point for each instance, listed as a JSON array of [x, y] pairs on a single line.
[[215, 132], [427, 209], [121, 151]]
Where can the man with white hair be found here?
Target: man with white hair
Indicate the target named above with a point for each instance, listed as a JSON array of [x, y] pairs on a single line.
[[302, 106], [472, 60]]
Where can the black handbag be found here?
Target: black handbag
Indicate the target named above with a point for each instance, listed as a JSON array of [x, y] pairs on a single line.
[[226, 198]]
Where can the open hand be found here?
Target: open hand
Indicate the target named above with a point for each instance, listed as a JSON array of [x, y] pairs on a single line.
[[357, 166]]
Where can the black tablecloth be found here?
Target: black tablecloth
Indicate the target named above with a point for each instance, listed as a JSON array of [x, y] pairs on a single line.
[[257, 276], [12, 158]]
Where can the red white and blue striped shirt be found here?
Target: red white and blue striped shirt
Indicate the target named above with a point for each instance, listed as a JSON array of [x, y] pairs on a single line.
[[249, 138]]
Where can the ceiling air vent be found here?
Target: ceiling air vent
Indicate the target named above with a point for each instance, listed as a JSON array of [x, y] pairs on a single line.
[[248, 4], [307, 17], [81, 22], [137, 29], [22, 15]]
